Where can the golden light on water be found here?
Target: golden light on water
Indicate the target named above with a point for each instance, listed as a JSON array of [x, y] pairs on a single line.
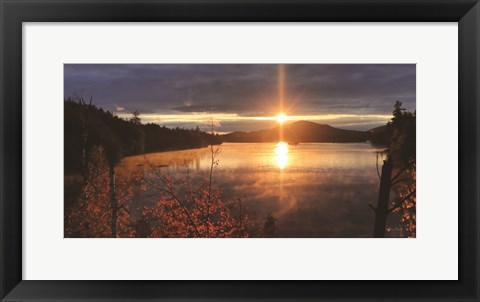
[[281, 155]]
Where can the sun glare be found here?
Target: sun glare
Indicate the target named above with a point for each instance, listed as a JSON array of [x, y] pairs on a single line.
[[281, 118]]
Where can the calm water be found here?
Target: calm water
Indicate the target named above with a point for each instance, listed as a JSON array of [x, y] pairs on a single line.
[[314, 190]]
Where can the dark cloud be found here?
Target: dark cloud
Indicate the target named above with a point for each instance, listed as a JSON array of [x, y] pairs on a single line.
[[248, 90], [226, 108]]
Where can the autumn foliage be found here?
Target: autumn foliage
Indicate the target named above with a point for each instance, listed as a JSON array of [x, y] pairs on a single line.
[[407, 209], [187, 210], [91, 216], [179, 209]]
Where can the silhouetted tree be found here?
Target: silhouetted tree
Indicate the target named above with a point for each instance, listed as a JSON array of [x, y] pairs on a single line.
[[135, 119], [398, 167], [87, 125]]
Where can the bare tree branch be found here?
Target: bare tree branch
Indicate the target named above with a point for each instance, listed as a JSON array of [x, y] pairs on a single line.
[[170, 191], [399, 203], [399, 181], [122, 207], [401, 171], [378, 172]]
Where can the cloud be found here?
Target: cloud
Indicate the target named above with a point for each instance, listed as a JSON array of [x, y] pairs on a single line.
[[207, 108], [245, 89], [188, 103]]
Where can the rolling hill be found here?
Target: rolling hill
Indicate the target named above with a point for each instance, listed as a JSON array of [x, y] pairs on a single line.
[[301, 132]]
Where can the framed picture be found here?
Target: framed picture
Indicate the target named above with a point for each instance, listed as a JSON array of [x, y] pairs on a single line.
[[239, 150]]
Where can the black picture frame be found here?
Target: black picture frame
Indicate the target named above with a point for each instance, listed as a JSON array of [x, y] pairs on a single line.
[[14, 12]]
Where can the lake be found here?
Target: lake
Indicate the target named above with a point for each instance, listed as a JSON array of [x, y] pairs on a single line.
[[317, 190]]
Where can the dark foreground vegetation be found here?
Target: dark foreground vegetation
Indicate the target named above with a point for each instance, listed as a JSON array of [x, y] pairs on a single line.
[[398, 174]]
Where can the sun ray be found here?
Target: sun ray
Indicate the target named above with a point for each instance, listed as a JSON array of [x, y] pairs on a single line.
[[281, 95]]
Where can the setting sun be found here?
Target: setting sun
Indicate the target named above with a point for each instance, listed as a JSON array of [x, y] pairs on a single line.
[[281, 118]]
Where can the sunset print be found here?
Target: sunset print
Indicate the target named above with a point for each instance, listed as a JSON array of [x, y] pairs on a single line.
[[239, 150]]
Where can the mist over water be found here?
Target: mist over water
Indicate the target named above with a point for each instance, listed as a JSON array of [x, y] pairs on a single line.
[[314, 190]]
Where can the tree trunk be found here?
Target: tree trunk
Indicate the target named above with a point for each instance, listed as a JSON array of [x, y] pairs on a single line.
[[84, 146], [381, 212], [113, 200]]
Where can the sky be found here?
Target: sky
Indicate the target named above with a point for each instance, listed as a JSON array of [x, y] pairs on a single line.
[[246, 97]]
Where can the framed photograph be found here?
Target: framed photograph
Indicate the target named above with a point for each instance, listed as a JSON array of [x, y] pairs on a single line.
[[239, 150]]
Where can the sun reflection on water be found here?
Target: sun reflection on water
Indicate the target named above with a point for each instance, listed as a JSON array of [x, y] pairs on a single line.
[[281, 157]]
